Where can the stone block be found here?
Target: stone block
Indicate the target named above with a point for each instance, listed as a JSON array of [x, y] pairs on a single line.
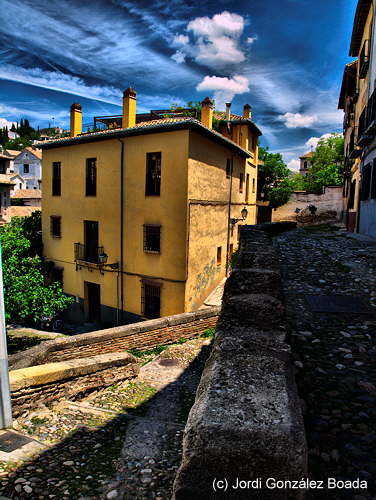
[[253, 310], [253, 281], [245, 424], [265, 259]]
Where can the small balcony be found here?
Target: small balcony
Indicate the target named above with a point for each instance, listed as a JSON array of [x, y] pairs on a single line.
[[89, 254]]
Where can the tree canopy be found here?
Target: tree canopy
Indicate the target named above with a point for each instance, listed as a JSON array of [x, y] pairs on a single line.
[[27, 296], [26, 135], [273, 181], [327, 166]]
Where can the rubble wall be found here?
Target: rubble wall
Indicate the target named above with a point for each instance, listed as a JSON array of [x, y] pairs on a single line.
[[246, 423]]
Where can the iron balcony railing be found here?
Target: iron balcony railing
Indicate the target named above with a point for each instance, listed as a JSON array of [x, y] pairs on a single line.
[[87, 253]]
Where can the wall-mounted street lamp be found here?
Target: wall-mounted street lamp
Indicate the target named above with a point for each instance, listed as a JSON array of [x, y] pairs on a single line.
[[102, 262], [244, 214], [102, 258]]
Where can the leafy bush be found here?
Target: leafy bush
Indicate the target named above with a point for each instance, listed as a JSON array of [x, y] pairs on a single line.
[[27, 297]]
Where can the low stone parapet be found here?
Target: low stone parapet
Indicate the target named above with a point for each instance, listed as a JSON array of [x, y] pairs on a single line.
[[52, 381], [246, 424], [141, 336]]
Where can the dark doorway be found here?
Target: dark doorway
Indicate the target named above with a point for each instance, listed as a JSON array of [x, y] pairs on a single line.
[[92, 302], [91, 241]]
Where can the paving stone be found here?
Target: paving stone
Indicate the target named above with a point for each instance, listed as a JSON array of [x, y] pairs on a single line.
[[340, 404]]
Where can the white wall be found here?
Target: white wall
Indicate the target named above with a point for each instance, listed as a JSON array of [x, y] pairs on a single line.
[[330, 200], [35, 169]]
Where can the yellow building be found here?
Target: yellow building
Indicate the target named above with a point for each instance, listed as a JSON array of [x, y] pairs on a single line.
[[140, 221], [353, 100]]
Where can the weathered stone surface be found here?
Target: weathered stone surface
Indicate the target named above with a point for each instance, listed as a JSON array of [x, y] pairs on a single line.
[[254, 310], [254, 281], [267, 259], [246, 423], [51, 372], [142, 336]]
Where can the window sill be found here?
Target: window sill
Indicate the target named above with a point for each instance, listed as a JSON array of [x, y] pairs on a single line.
[[155, 252]]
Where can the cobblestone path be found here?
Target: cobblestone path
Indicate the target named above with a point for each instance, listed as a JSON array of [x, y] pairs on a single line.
[[335, 355], [122, 442]]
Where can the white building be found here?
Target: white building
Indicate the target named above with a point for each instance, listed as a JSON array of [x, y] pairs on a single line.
[[28, 164]]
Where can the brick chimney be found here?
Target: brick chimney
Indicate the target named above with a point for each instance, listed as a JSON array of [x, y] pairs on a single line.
[[75, 119], [207, 112], [247, 112], [129, 108], [228, 111]]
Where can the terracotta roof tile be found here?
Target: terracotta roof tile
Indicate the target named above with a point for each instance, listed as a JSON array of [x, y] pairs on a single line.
[[311, 154], [6, 179], [148, 125], [22, 211], [27, 193], [36, 152]]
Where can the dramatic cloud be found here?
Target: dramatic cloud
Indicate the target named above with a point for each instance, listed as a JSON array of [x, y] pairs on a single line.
[[215, 41], [224, 88], [60, 81], [295, 120]]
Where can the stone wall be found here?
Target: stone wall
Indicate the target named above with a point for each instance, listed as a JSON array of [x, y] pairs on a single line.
[[246, 423], [43, 384], [141, 336], [330, 203]]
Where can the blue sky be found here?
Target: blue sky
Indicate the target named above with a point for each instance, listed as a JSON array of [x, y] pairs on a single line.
[[284, 57]]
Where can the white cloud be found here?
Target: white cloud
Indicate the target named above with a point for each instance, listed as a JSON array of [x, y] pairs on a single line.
[[251, 39], [226, 23], [59, 81], [293, 165], [313, 141], [181, 40], [215, 41], [179, 57], [224, 88], [5, 123], [296, 120]]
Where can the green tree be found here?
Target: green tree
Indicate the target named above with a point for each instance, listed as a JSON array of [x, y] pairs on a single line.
[[26, 295], [273, 181], [327, 164]]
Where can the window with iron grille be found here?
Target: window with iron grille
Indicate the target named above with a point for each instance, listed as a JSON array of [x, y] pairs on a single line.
[[56, 178], [241, 180], [373, 182], [351, 202], [151, 299], [91, 177], [366, 180], [228, 168], [152, 238], [55, 226], [153, 174]]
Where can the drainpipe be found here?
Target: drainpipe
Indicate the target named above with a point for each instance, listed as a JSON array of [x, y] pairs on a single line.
[[121, 232], [5, 404], [229, 216]]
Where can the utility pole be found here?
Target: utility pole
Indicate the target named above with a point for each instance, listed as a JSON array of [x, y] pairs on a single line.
[[5, 405]]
